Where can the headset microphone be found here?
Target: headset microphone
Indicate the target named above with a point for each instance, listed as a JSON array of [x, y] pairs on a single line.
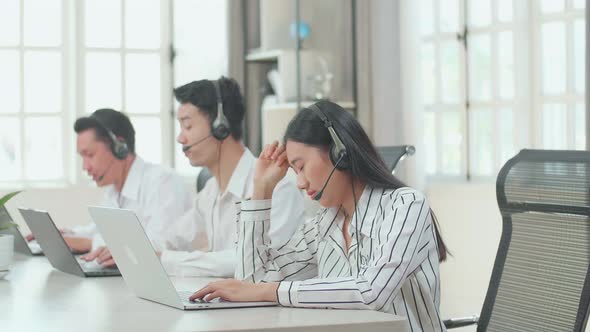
[[107, 170], [188, 147], [319, 194]]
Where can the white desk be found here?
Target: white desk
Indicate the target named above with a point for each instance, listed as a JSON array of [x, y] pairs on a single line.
[[36, 297]]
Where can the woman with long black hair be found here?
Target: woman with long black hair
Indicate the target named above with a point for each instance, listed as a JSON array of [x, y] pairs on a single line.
[[375, 244]]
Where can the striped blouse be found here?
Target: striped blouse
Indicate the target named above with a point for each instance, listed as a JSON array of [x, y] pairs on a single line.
[[391, 265]]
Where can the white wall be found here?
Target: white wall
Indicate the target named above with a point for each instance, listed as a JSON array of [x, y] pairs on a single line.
[[385, 73], [394, 120], [471, 226]]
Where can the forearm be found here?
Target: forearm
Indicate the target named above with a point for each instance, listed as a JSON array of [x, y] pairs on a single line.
[[253, 240], [269, 291], [261, 192], [259, 259], [337, 293]]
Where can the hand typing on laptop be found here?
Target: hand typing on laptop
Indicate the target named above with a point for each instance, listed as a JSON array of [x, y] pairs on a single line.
[[89, 265], [102, 255], [236, 291]]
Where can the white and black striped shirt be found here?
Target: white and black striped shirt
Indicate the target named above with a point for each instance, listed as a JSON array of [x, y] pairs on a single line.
[[395, 269]]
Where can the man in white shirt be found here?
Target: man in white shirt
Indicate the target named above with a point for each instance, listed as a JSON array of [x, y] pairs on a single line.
[[106, 143], [203, 241]]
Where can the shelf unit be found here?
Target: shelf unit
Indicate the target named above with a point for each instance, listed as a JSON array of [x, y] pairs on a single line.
[[276, 45], [263, 56]]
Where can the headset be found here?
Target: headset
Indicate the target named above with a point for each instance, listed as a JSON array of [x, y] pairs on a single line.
[[338, 153], [220, 126], [341, 160], [118, 146]]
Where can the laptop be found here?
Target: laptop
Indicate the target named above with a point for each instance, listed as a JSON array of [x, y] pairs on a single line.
[[140, 266], [20, 243], [56, 249]]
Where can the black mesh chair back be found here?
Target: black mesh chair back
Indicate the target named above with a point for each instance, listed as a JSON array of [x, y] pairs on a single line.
[[202, 178], [540, 277], [392, 155]]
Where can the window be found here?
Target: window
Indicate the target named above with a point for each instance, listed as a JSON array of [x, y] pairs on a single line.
[[62, 59], [125, 65], [34, 100], [560, 59], [444, 96], [482, 102]]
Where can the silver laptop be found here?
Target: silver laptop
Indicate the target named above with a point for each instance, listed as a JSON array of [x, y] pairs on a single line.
[[56, 249], [140, 266], [20, 243]]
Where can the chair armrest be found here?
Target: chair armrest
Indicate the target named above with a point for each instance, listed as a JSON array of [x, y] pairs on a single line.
[[460, 322]]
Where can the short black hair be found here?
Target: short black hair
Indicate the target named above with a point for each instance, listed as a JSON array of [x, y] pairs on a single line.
[[105, 119], [202, 95]]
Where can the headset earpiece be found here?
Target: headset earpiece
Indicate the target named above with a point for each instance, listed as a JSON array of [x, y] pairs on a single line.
[[337, 148], [119, 148], [219, 127], [336, 154]]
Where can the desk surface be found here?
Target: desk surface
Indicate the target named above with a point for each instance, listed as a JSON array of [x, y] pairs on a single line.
[[35, 297]]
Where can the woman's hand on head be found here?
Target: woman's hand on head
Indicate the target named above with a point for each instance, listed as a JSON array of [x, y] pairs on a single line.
[[271, 167], [237, 291]]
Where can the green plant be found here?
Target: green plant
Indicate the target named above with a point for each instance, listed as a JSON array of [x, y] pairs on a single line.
[[3, 201]]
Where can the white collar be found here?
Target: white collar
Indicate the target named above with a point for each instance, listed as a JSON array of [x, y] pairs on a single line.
[[238, 181], [366, 203], [133, 181]]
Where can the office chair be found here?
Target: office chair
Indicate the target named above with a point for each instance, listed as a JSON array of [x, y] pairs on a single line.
[[540, 280], [392, 155], [202, 178]]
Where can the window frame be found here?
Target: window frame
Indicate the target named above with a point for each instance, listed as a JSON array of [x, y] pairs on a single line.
[[569, 98], [64, 115], [165, 115], [527, 99], [72, 51]]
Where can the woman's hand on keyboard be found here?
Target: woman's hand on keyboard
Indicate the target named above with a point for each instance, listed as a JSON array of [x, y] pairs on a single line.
[[237, 291]]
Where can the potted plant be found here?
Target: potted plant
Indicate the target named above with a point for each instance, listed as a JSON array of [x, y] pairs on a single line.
[[6, 240]]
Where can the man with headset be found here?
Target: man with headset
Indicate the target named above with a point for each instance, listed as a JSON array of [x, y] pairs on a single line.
[[203, 242], [106, 143]]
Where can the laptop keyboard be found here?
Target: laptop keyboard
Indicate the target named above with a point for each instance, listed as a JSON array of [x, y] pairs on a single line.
[[95, 268], [89, 266]]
